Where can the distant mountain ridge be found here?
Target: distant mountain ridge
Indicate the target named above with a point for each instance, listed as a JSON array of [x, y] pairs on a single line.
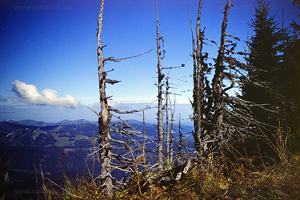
[[61, 133], [28, 146], [29, 122]]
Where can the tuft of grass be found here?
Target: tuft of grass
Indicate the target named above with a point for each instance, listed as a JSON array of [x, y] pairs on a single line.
[[78, 188], [238, 177], [279, 181]]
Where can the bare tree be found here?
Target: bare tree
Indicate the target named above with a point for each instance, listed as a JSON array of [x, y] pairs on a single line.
[[144, 139], [217, 81], [227, 117], [128, 133], [218, 116], [168, 106], [160, 77], [172, 130], [198, 77], [180, 136], [167, 101], [104, 116], [167, 119]]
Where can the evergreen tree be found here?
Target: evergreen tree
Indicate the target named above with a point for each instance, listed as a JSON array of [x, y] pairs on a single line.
[[275, 55], [263, 57], [293, 50]]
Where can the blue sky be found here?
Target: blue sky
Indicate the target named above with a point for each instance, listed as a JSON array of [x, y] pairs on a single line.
[[48, 52]]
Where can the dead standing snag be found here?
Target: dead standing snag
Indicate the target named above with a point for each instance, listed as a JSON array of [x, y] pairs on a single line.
[[104, 117]]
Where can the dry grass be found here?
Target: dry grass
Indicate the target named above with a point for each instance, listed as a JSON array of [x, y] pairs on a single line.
[[280, 181], [236, 178], [275, 182]]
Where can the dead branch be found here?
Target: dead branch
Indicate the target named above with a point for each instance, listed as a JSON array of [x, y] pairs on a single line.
[[128, 112], [94, 111], [120, 59], [112, 81]]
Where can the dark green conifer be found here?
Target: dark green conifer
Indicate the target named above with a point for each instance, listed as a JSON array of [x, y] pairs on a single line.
[[263, 57]]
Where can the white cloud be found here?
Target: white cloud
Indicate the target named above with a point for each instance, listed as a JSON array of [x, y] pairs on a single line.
[[29, 94], [113, 104]]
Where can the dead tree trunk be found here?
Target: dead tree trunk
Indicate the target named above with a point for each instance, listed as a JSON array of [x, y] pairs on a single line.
[[169, 133], [180, 137], [217, 82], [219, 117], [144, 139], [198, 77], [172, 132], [160, 56], [167, 120], [127, 132], [104, 116], [168, 105]]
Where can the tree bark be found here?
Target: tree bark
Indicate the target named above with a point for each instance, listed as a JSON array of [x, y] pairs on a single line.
[[217, 82], [167, 121], [172, 132], [198, 77], [104, 117], [144, 140], [159, 98], [180, 137]]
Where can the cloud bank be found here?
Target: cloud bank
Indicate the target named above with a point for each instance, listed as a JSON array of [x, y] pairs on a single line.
[[114, 105], [29, 94]]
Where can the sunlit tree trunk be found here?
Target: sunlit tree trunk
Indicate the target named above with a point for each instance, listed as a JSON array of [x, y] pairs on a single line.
[[180, 136], [159, 97], [144, 139], [172, 132], [167, 121], [104, 117]]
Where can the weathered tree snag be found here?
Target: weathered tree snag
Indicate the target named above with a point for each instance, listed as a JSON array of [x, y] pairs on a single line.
[[159, 97], [230, 116], [144, 140], [168, 106], [172, 131], [104, 117], [198, 77], [217, 82], [167, 120], [169, 133], [180, 136]]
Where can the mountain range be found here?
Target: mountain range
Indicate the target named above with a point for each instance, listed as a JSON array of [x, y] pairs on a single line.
[[41, 123], [30, 148]]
